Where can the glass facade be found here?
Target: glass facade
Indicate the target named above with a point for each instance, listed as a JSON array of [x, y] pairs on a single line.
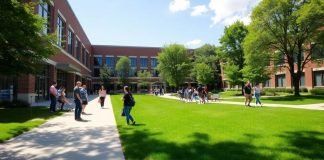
[[42, 84], [133, 70], [44, 12], [281, 80], [70, 41], [154, 64], [60, 26], [318, 78], [77, 49], [97, 61], [302, 80], [96, 72], [143, 63], [267, 83]]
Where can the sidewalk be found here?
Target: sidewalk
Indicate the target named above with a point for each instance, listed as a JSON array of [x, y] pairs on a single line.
[[65, 138], [319, 106]]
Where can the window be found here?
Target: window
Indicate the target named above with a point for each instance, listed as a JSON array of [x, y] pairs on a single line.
[[70, 41], [97, 61], [83, 55], [143, 63], [133, 70], [302, 80], [281, 80], [267, 83], [281, 59], [77, 49], [44, 12], [295, 57], [133, 61], [85, 58], [319, 78], [110, 62], [60, 31], [96, 72], [154, 73], [318, 52], [154, 63]]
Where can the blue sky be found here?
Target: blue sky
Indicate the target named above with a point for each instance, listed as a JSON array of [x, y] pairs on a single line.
[[154, 23]]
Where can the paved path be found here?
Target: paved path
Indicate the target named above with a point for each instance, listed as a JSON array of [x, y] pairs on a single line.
[[65, 138], [318, 106]]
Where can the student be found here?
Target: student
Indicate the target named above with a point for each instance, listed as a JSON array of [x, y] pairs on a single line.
[[53, 95], [247, 90], [62, 98], [84, 97], [127, 98], [257, 94], [77, 101], [102, 96]]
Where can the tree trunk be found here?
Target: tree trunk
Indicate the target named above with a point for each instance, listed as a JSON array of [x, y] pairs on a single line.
[[296, 79]]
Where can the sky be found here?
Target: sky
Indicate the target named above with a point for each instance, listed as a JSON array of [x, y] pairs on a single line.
[[155, 23]]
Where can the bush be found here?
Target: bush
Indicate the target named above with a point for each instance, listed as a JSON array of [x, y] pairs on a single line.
[[317, 91], [303, 89], [14, 104]]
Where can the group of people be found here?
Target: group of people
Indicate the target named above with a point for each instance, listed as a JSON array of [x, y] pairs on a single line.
[[158, 91], [190, 94], [247, 90]]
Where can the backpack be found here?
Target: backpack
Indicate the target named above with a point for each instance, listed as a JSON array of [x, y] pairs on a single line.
[[132, 100]]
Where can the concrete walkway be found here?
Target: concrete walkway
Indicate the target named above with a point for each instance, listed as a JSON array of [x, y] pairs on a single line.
[[318, 106], [65, 138]]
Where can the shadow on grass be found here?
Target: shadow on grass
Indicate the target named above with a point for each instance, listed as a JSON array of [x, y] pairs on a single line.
[[20, 115], [141, 144]]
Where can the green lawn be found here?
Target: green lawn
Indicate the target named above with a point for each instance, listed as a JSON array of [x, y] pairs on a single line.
[[169, 129], [306, 99], [15, 121]]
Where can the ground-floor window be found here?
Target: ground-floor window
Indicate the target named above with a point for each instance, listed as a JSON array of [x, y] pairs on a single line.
[[8, 87], [318, 78], [42, 85], [302, 80], [61, 78], [267, 83], [281, 80]]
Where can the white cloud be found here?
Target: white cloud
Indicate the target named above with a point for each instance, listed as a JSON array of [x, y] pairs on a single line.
[[199, 10], [179, 5], [194, 42], [229, 11]]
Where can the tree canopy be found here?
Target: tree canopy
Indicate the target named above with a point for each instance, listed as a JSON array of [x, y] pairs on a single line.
[[285, 30], [105, 74], [144, 78], [174, 64], [123, 66], [23, 47], [204, 73]]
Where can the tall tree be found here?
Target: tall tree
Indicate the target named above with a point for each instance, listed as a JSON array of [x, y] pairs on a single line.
[[207, 55], [23, 47], [174, 64], [285, 29], [204, 73], [232, 51], [144, 78], [123, 66], [105, 74]]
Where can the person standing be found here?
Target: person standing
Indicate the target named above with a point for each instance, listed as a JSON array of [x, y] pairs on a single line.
[[257, 94], [53, 95], [102, 96], [247, 90], [84, 97], [77, 101], [128, 98]]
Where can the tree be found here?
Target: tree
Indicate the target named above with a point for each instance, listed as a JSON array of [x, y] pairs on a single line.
[[207, 55], [123, 67], [232, 52], [174, 64], [23, 47], [144, 78], [285, 29], [105, 74], [204, 73]]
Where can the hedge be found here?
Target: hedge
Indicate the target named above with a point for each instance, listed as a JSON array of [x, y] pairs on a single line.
[[317, 91]]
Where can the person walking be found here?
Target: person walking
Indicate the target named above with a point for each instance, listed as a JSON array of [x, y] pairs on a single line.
[[247, 90], [127, 99], [77, 101], [102, 96], [84, 97], [257, 94], [53, 95]]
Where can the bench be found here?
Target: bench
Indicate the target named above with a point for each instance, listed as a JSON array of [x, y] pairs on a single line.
[[215, 97]]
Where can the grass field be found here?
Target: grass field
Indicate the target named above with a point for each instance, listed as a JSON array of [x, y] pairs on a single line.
[[306, 99], [169, 129], [15, 121]]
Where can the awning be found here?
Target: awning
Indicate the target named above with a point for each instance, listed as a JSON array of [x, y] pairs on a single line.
[[67, 67]]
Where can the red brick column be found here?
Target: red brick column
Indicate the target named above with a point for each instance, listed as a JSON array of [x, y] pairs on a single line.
[[26, 88], [52, 74], [70, 84]]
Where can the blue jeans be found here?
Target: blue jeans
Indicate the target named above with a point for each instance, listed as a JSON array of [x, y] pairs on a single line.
[[127, 110], [77, 110], [257, 98], [53, 103]]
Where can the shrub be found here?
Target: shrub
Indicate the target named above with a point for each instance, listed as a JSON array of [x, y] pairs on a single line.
[[303, 89], [317, 91], [14, 104]]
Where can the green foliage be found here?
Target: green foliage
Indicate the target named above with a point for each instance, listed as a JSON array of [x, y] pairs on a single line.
[[174, 64], [232, 51], [204, 73], [144, 78], [123, 66], [105, 74], [283, 29], [23, 47], [317, 91]]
